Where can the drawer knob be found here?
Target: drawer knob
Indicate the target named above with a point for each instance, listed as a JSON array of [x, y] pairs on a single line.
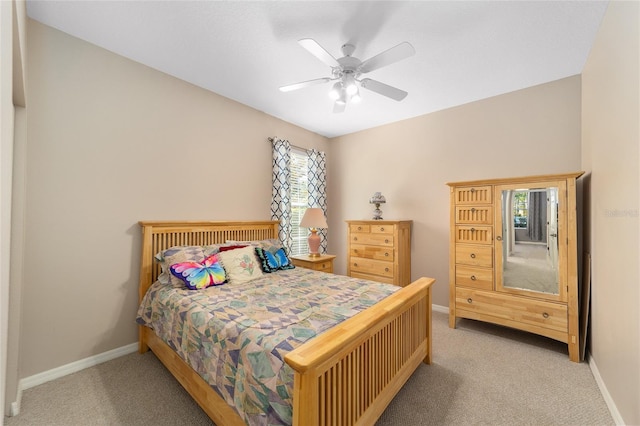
[[386, 254], [473, 230], [324, 265], [355, 264], [386, 269], [473, 277], [359, 228], [355, 238], [472, 190], [473, 255], [545, 315], [469, 300], [386, 241], [499, 238], [381, 229], [473, 209]]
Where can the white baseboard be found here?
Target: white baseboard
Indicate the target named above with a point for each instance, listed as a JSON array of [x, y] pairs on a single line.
[[613, 409], [440, 308], [56, 373]]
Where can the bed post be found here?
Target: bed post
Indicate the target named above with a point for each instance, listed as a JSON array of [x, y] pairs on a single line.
[[145, 281]]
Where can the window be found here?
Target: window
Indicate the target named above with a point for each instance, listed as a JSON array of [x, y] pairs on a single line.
[[520, 209], [299, 200]]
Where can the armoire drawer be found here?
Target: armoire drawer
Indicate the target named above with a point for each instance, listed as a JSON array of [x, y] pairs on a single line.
[[370, 266], [474, 195], [474, 234], [371, 252], [474, 255], [471, 276], [513, 308], [482, 215]]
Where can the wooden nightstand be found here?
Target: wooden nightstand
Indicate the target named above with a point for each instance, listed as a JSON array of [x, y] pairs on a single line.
[[323, 263]]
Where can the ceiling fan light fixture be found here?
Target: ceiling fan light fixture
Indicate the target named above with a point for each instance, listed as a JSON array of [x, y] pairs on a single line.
[[350, 84], [334, 93], [342, 100], [356, 98]]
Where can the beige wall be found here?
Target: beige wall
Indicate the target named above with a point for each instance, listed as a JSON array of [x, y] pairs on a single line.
[[112, 142], [610, 155], [12, 138], [528, 132]]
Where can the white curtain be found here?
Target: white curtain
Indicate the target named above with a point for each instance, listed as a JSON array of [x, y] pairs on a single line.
[[281, 192], [318, 189]]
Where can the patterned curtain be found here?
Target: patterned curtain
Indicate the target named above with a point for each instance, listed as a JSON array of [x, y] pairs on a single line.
[[281, 192], [318, 189]]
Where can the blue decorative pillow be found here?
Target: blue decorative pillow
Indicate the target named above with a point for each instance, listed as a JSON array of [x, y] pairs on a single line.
[[273, 261], [199, 275]]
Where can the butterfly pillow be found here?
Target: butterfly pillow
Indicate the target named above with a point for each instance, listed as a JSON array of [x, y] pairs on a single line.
[[273, 260], [199, 275]]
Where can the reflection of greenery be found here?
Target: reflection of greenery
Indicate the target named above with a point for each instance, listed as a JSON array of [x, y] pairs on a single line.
[[520, 209]]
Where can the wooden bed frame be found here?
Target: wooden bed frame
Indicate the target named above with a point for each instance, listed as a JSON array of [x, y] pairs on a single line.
[[345, 376]]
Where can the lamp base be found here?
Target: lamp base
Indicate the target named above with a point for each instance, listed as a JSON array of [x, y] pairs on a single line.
[[377, 213], [314, 243]]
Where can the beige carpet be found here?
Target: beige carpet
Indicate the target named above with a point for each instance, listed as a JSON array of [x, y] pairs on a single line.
[[481, 375]]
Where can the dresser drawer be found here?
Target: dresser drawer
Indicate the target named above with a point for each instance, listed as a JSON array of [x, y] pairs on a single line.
[[471, 276], [359, 228], [382, 229], [371, 266], [474, 255], [529, 311], [474, 195], [371, 252], [372, 239], [378, 278], [482, 215], [474, 234]]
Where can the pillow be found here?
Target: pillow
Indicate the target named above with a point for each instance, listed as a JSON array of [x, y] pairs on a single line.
[[199, 275], [178, 254], [268, 243], [273, 260], [233, 247], [240, 265]]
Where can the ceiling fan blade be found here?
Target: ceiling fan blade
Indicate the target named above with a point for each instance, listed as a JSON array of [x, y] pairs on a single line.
[[318, 51], [339, 107], [302, 84], [383, 89], [388, 57]]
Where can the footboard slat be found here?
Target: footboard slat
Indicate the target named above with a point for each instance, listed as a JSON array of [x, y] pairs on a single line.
[[364, 361]]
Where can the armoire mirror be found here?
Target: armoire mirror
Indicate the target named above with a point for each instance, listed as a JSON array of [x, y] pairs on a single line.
[[528, 249]]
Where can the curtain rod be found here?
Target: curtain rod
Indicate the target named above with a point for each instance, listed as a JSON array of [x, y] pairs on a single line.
[[270, 139]]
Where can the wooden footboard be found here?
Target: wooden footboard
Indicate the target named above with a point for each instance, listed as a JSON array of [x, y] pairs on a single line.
[[349, 374], [345, 376]]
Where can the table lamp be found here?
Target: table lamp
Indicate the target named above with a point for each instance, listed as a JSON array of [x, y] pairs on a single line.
[[377, 199], [313, 218]]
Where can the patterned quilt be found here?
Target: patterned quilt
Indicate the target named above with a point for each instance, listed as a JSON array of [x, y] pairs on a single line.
[[236, 335]]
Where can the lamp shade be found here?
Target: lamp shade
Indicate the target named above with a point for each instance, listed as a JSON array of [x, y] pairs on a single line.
[[313, 218]]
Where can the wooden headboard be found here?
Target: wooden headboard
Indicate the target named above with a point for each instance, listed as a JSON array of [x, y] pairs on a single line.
[[161, 235]]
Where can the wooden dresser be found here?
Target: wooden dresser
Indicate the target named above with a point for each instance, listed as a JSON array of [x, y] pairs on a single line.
[[380, 250], [501, 271]]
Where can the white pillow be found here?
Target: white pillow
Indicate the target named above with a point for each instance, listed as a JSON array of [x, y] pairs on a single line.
[[241, 265]]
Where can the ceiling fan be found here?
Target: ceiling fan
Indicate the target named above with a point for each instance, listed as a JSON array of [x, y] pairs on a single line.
[[346, 72]]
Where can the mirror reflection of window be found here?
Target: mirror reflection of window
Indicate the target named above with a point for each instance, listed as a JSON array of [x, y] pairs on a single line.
[[530, 246], [520, 210]]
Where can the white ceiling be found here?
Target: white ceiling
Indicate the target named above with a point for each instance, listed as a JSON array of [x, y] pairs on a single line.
[[245, 50]]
